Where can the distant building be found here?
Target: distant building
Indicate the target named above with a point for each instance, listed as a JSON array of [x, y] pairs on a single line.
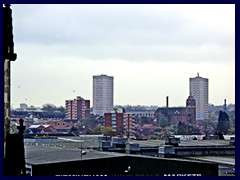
[[129, 123], [60, 123], [121, 123], [23, 106], [77, 109], [144, 113], [61, 126], [186, 114], [199, 90], [42, 129], [102, 94], [115, 121], [191, 110]]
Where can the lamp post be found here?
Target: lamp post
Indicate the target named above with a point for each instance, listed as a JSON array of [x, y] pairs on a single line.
[[85, 131], [81, 149]]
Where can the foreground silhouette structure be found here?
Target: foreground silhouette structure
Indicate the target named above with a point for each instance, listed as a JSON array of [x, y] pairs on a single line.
[[14, 159]]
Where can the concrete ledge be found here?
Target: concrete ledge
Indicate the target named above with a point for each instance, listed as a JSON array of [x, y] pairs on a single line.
[[40, 140]]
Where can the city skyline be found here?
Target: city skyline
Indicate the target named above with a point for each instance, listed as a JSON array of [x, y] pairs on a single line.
[[150, 50]]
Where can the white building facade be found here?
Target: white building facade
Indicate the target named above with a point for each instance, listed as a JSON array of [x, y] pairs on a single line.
[[102, 94], [23, 106], [199, 90]]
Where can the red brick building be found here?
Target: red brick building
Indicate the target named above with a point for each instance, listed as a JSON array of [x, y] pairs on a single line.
[[56, 123], [122, 123], [115, 121], [42, 129], [186, 114], [77, 109]]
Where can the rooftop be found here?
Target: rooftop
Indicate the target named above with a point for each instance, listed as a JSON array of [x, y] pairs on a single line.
[[44, 154]]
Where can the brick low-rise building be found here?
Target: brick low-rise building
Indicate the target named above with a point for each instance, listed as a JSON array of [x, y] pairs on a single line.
[[115, 121], [122, 123], [174, 115], [77, 109]]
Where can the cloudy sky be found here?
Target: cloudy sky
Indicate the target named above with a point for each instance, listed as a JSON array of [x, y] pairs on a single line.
[[151, 50]]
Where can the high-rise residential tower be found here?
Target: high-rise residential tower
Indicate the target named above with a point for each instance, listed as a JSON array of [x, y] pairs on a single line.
[[199, 90], [102, 94]]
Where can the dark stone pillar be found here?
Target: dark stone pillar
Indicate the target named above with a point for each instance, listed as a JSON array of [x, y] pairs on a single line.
[[14, 163]]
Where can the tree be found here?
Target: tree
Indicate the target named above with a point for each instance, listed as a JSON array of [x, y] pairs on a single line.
[[212, 116], [153, 137], [193, 130], [97, 130], [168, 133], [182, 128], [50, 108], [223, 123], [61, 109], [208, 126], [31, 108], [74, 130], [102, 130], [163, 122], [107, 130]]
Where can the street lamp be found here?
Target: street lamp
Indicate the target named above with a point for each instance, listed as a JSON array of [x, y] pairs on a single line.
[[85, 131], [81, 149], [82, 152]]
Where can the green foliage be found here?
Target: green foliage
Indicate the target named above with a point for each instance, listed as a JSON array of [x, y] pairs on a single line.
[[223, 123], [167, 133], [163, 122], [182, 128], [61, 109], [212, 116], [208, 126], [153, 137], [192, 130], [106, 130], [102, 130], [185, 129], [96, 130], [49, 108]]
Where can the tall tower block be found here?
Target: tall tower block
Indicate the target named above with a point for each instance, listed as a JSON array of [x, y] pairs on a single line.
[[198, 88]]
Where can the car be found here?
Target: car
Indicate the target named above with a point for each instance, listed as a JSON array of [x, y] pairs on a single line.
[[84, 152]]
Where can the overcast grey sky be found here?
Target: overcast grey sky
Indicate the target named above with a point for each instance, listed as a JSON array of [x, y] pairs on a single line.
[[151, 50]]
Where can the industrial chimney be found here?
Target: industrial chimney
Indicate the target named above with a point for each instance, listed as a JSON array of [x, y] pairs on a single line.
[[167, 101], [225, 105]]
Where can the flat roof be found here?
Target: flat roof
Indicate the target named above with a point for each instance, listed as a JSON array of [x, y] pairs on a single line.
[[39, 154], [183, 142], [68, 149], [223, 160]]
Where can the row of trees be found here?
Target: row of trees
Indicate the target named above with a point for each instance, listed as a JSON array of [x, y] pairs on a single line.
[[47, 111]]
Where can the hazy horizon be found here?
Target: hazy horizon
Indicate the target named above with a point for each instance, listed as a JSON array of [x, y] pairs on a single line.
[[151, 50]]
